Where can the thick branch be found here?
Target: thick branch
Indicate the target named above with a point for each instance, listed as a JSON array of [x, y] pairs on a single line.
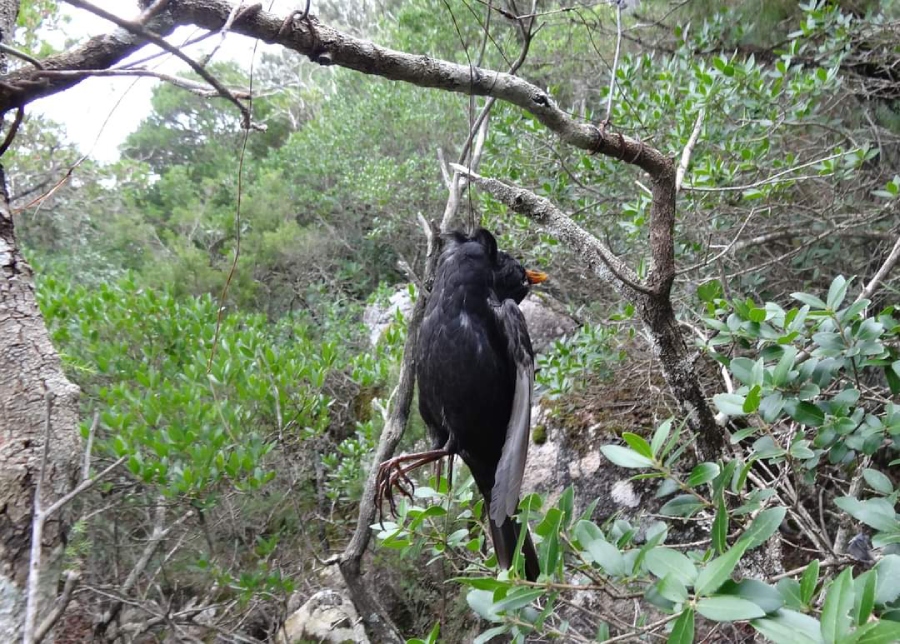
[[26, 85], [330, 46]]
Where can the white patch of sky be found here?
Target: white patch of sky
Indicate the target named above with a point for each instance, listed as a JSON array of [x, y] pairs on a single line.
[[99, 113]]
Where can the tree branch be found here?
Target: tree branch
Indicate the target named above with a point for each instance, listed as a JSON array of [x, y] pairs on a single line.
[[886, 268], [178, 81], [598, 257], [143, 32]]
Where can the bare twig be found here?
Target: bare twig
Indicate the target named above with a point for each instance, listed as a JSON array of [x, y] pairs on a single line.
[[12, 51], [615, 65], [72, 579], [160, 531], [184, 83], [882, 272], [14, 128], [689, 149], [223, 32], [37, 527], [478, 134], [89, 446], [724, 250], [140, 30], [775, 178]]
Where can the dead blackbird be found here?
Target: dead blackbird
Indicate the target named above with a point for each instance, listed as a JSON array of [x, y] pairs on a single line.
[[475, 369]]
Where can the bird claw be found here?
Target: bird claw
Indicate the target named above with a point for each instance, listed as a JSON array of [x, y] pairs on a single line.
[[393, 475]]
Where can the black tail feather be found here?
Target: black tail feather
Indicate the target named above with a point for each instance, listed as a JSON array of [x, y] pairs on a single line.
[[505, 538]]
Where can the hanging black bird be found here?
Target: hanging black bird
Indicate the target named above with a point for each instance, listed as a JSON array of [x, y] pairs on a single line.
[[475, 369]]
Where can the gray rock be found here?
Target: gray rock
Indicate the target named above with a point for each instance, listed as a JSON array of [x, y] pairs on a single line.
[[546, 320], [328, 617], [378, 316]]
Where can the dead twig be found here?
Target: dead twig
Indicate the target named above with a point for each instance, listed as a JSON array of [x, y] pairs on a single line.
[[41, 514], [140, 30]]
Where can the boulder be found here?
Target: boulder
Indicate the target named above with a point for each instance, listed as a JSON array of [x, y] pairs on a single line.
[[327, 617], [379, 315]]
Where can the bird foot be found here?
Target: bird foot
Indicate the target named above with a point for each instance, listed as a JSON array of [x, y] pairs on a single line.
[[393, 475]]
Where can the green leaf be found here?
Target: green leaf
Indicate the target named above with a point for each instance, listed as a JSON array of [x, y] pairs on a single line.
[[482, 602], [518, 598], [808, 414], [789, 627], [728, 609], [764, 526], [683, 630], [491, 633], [481, 583], [771, 406], [598, 548], [703, 473], [877, 513], [789, 589], [836, 619], [720, 526], [878, 481], [664, 562], [837, 292], [683, 505], [809, 581], [882, 632], [760, 593], [744, 369], [624, 457], [672, 589], [811, 300], [892, 373], [751, 402], [887, 587], [730, 404], [718, 571], [864, 597], [638, 444], [709, 291], [660, 436], [785, 364], [567, 505]]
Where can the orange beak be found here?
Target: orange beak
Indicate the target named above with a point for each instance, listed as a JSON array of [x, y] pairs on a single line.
[[536, 277]]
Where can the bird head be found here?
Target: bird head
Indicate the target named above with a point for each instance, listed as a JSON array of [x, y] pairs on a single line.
[[512, 280]]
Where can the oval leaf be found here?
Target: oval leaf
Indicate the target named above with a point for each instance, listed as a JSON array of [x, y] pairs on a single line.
[[718, 571], [836, 619], [683, 631], [665, 561], [625, 457], [728, 609], [764, 526]]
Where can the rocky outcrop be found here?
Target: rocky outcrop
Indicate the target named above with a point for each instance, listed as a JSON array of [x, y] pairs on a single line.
[[327, 617]]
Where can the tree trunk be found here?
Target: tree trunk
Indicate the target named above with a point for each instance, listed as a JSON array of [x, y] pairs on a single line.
[[36, 402]]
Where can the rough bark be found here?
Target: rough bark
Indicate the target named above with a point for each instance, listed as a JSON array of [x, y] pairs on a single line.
[[31, 384]]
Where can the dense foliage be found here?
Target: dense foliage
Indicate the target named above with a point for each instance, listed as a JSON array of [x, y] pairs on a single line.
[[220, 348]]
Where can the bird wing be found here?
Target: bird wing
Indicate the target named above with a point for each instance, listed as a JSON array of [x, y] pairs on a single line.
[[511, 468]]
